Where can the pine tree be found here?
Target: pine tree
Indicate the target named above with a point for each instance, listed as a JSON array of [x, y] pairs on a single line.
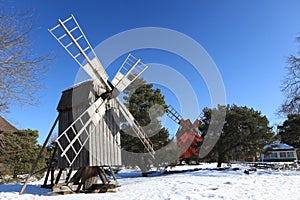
[[147, 105], [18, 153], [289, 131], [245, 133]]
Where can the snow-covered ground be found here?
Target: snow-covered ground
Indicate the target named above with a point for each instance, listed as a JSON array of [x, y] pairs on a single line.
[[202, 184]]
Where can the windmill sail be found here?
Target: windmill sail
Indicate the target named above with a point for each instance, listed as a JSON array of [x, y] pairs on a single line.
[[128, 72], [69, 34], [136, 128], [173, 114]]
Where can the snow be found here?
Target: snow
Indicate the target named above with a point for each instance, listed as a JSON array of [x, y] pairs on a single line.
[[278, 145], [207, 183]]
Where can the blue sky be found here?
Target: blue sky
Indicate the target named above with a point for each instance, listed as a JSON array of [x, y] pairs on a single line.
[[249, 41]]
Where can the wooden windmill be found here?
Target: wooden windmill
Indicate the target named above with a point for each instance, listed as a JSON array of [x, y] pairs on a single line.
[[187, 136], [89, 135]]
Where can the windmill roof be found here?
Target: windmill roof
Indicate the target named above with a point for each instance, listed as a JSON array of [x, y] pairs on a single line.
[[279, 146], [5, 126], [77, 95]]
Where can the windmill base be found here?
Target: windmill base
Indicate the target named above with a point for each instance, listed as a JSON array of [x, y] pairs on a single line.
[[61, 189], [85, 180]]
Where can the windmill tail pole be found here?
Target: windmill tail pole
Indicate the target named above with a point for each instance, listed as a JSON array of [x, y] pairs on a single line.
[[38, 157]]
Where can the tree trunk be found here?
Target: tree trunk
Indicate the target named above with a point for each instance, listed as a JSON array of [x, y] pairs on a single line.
[[144, 170], [221, 159], [219, 163], [143, 166], [144, 174], [15, 174]]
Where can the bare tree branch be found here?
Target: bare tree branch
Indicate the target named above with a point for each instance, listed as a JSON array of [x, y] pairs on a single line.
[[291, 86], [21, 71]]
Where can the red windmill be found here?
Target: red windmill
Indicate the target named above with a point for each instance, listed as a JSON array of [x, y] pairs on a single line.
[[187, 136]]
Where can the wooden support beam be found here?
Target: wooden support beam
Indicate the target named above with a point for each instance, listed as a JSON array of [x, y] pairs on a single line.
[[102, 176], [58, 176], [113, 174], [76, 177], [69, 175], [50, 161], [52, 176], [39, 171]]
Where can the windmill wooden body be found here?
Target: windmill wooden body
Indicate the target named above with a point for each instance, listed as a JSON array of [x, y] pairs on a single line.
[[102, 146]]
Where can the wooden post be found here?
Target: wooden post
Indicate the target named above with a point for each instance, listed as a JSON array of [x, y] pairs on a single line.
[[41, 170], [58, 176], [50, 165], [52, 176], [38, 157], [77, 176], [113, 173], [102, 176], [69, 175], [46, 177]]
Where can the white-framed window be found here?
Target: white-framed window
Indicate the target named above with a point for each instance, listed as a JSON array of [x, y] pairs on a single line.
[[271, 155], [274, 155], [282, 154], [267, 155]]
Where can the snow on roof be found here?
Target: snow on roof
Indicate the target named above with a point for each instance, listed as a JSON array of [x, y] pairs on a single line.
[[79, 84], [278, 145]]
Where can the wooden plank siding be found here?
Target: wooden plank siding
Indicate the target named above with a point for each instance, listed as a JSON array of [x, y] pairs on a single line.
[[103, 147]]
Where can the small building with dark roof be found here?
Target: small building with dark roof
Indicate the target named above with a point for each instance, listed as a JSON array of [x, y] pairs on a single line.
[[6, 127], [279, 152]]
